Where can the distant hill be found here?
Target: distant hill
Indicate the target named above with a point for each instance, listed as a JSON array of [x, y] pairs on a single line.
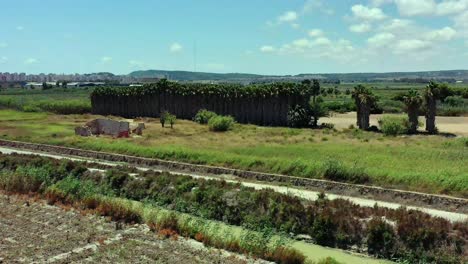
[[193, 76], [449, 76]]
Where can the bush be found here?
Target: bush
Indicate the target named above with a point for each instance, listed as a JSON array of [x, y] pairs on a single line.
[[203, 116], [221, 123], [394, 125], [299, 116], [167, 117], [454, 101], [391, 106], [340, 107], [336, 171], [381, 238]]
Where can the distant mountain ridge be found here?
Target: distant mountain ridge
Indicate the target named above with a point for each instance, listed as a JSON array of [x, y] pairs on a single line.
[[453, 75], [192, 76]]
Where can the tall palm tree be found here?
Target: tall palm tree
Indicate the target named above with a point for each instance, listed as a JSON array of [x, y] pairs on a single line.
[[413, 102], [364, 99], [431, 94]]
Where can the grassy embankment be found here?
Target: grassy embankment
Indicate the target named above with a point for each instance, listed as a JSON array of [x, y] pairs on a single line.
[[421, 163], [70, 183]]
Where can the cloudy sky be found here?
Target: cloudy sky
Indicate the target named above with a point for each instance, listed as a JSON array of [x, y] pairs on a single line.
[[254, 36]]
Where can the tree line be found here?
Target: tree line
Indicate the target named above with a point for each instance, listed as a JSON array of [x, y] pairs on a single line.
[[266, 104]]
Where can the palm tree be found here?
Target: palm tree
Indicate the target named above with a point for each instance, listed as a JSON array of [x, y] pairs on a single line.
[[364, 99], [314, 87], [413, 102], [431, 94]]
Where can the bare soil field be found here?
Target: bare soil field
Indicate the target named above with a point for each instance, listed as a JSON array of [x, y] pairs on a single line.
[[32, 231], [446, 124]]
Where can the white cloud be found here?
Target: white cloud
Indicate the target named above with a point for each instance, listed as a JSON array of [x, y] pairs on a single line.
[[368, 13], [380, 2], [411, 45], [317, 5], [106, 59], [315, 33], [431, 7], [302, 43], [322, 41], [288, 17], [295, 25], [416, 7], [175, 47], [360, 28], [267, 49], [444, 34], [461, 21], [30, 61], [3, 59], [19, 28], [397, 25], [3, 44], [451, 7], [381, 39]]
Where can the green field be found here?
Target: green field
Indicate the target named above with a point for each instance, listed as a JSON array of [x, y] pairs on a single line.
[[421, 163]]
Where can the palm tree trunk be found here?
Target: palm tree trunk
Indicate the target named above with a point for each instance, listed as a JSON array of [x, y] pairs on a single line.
[[413, 115], [430, 116]]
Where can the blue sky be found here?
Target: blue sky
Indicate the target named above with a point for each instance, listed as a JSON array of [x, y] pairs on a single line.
[[255, 36]]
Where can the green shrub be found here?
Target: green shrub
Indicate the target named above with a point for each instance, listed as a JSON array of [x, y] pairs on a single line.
[[391, 106], [66, 107], [31, 108], [299, 116], [334, 170], [340, 106], [167, 117], [394, 125], [454, 101], [25, 179], [221, 123], [203, 116], [381, 238]]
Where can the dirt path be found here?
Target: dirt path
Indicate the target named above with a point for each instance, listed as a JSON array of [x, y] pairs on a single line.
[[306, 194], [32, 231], [455, 125]]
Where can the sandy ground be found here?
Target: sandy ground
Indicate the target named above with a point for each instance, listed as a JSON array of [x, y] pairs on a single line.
[[454, 125], [32, 231]]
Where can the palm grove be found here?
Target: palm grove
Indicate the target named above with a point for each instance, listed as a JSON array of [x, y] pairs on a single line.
[[416, 103], [277, 104]]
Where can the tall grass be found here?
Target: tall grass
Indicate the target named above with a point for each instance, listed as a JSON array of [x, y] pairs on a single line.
[[86, 194], [413, 235]]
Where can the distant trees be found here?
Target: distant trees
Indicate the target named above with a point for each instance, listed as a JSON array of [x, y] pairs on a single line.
[[413, 102], [365, 100], [45, 86], [431, 94], [316, 107]]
